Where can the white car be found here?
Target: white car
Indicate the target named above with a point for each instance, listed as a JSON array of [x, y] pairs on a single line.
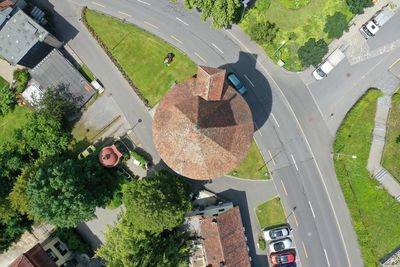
[[276, 233], [97, 86], [280, 245]]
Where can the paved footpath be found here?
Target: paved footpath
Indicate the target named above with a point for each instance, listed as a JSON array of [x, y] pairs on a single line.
[[378, 143]]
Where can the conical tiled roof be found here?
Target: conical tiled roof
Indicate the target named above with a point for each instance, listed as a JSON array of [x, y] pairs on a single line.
[[202, 139]]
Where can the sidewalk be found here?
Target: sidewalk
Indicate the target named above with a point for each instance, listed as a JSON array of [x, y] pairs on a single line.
[[378, 143]]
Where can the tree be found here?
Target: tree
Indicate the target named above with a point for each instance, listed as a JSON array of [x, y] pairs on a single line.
[[335, 25], [312, 52], [11, 230], [263, 31], [7, 100], [67, 193], [21, 78], [222, 12], [18, 196], [157, 203], [127, 247], [357, 6]]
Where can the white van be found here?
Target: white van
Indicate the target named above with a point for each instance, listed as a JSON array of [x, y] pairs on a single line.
[[330, 62]]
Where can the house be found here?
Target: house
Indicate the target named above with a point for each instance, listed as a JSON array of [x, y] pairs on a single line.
[[56, 71], [35, 257], [22, 40], [220, 239]]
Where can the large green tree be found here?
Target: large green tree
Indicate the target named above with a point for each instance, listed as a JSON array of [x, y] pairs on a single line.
[[357, 6], [157, 203], [223, 12], [335, 25], [125, 246], [312, 52], [263, 31], [67, 193]]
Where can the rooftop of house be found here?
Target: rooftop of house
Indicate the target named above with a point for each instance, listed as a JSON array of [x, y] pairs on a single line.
[[18, 35], [35, 257]]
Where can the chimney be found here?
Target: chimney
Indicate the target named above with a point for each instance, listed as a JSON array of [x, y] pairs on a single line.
[[209, 83]]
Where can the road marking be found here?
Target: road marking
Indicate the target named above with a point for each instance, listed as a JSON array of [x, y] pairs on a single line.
[[295, 219], [217, 48], [200, 57], [182, 21], [247, 78], [305, 138], [305, 250], [326, 256], [125, 14], [272, 158], [312, 210], [284, 188], [143, 2], [176, 39], [273, 117], [294, 161], [394, 63], [98, 4], [152, 25]]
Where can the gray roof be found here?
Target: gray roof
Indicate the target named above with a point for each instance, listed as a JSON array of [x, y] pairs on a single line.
[[18, 35], [4, 14], [55, 70]]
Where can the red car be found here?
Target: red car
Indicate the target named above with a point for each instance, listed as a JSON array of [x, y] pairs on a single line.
[[283, 258]]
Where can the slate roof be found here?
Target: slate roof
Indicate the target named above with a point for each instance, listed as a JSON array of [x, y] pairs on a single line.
[[202, 139], [35, 257], [224, 240], [56, 70], [18, 35]]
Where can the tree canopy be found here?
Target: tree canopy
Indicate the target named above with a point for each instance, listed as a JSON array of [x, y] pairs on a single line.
[[263, 31], [12, 230], [7, 100], [312, 52], [67, 193], [357, 6], [223, 12], [335, 25], [21, 77]]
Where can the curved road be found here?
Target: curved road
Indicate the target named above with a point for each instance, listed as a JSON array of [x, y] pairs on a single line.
[[292, 134]]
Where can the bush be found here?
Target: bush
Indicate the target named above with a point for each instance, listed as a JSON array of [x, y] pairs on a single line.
[[73, 241], [335, 25], [21, 77], [357, 6], [7, 100], [312, 52], [264, 31]]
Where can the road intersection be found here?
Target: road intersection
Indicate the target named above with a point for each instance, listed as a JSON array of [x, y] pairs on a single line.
[[294, 132]]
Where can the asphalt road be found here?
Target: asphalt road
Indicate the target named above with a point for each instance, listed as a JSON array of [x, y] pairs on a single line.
[[292, 134]]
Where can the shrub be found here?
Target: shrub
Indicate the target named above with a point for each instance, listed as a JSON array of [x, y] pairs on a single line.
[[335, 25], [21, 77], [312, 52], [357, 6], [264, 31], [73, 241], [7, 100]]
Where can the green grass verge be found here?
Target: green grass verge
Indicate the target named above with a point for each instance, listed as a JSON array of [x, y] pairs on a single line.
[[84, 70], [296, 26], [375, 214], [13, 120], [391, 153], [141, 56], [261, 243], [270, 213], [253, 166]]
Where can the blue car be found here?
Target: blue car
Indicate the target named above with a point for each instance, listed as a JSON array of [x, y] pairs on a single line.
[[234, 80]]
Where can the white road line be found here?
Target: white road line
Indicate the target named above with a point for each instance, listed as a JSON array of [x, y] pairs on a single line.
[[273, 117], [125, 14], [247, 78], [200, 57], [305, 138], [272, 158], [143, 2], [326, 256], [152, 25], [295, 219], [284, 188], [217, 48], [312, 210], [305, 250], [98, 4], [294, 161], [182, 21], [176, 39]]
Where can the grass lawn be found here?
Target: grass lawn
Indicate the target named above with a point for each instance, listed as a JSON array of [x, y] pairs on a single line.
[[296, 26], [270, 213], [3, 82], [13, 120], [391, 153], [375, 214], [141, 55], [84, 70], [253, 166]]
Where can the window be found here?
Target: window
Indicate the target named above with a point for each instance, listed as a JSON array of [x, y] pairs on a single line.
[[61, 248], [51, 254]]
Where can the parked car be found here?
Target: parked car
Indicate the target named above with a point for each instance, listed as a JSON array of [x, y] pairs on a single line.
[[276, 233], [280, 245], [234, 80], [330, 62], [88, 151], [371, 27], [97, 86], [278, 259], [293, 264]]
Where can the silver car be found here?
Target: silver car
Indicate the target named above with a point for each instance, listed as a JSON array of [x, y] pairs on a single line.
[[280, 245], [276, 233]]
